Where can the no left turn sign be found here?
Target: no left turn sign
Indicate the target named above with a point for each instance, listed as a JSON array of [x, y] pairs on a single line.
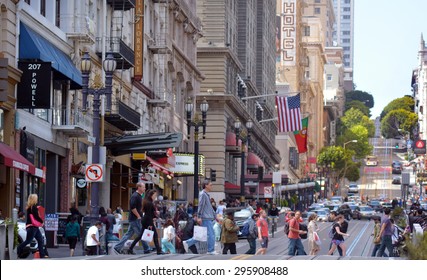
[[94, 173]]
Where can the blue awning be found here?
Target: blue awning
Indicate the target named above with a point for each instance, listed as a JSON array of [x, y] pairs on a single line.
[[34, 46]]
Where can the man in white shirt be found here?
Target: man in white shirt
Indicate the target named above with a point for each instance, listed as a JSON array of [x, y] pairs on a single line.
[[92, 238], [221, 207]]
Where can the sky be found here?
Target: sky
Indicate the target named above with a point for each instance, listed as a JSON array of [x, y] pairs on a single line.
[[387, 36]]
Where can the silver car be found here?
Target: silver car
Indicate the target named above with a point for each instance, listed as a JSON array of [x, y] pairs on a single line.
[[366, 212]]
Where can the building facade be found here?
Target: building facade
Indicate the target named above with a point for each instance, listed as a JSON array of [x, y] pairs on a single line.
[[419, 89]]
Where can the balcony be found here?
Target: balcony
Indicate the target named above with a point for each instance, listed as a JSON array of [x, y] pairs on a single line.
[[123, 117], [121, 5], [73, 124], [160, 44], [124, 55], [79, 28], [162, 98]]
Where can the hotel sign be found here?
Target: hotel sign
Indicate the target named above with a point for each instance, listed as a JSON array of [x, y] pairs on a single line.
[[289, 31], [139, 39]]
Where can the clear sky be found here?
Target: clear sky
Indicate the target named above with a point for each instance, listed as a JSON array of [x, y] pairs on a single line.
[[386, 43]]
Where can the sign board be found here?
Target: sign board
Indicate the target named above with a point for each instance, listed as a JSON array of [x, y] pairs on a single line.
[[268, 192], [81, 183], [420, 147], [51, 222], [94, 173], [139, 156], [277, 177], [184, 165], [34, 88]]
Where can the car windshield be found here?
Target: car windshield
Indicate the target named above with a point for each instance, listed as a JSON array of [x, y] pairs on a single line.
[[366, 209], [321, 213], [244, 213], [371, 158], [375, 203]]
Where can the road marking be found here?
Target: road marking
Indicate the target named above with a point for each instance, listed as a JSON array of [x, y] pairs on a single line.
[[358, 237]]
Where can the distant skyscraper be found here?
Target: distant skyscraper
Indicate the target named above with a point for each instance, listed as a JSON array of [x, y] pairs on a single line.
[[343, 35]]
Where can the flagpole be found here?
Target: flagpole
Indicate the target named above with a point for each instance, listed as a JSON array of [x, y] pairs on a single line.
[[271, 94]]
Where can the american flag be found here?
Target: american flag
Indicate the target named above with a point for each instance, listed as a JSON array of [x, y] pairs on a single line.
[[289, 113]]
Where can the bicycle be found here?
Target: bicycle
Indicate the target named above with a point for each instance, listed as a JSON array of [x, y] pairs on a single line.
[[273, 225]]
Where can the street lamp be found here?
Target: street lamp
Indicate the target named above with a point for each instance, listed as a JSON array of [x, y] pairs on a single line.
[[345, 165], [245, 139], [323, 171], [196, 123], [109, 65]]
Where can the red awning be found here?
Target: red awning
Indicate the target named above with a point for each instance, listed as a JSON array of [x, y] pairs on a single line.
[[231, 188], [15, 160], [254, 161], [159, 167]]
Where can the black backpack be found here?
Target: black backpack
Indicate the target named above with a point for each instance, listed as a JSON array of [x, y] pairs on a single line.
[[286, 228], [303, 227]]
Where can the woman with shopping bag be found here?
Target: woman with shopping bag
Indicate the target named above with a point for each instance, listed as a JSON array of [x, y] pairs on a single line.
[[148, 219], [313, 237]]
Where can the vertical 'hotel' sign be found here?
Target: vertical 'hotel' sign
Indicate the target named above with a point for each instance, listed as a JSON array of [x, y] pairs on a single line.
[[34, 88], [139, 39], [289, 28]]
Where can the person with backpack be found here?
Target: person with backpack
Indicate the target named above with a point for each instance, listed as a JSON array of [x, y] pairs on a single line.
[[252, 233]]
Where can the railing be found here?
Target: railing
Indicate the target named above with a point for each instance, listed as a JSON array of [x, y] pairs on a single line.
[[62, 117], [7, 237], [116, 45], [120, 108], [81, 27]]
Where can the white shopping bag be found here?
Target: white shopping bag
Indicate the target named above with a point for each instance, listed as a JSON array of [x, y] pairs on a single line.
[[200, 233], [147, 236]]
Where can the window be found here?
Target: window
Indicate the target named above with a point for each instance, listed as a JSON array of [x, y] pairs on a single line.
[[346, 9], [346, 48], [43, 7], [306, 31], [347, 64], [346, 40], [347, 1], [317, 1], [346, 56], [317, 11], [346, 17], [58, 13], [28, 2], [329, 77], [346, 33]]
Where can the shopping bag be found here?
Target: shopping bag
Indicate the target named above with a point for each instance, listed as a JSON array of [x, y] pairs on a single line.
[[147, 236], [316, 238], [200, 233]]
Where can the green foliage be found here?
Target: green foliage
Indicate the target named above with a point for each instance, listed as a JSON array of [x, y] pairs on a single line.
[[353, 172], [361, 96], [284, 203], [360, 133], [406, 103], [356, 104], [398, 119], [417, 250], [354, 117], [333, 155]]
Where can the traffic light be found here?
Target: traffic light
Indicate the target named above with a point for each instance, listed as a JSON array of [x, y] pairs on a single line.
[[260, 173], [213, 175], [397, 146]]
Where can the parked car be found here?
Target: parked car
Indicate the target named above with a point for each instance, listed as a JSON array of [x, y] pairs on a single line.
[[366, 212], [322, 215], [387, 205], [337, 199], [396, 167], [397, 180], [353, 188], [376, 205]]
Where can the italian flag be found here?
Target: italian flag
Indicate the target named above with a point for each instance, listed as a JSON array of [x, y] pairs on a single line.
[[301, 136]]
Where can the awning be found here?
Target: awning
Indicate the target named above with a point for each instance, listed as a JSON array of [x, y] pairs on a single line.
[[157, 166], [231, 188], [34, 46], [128, 144], [13, 159], [254, 161]]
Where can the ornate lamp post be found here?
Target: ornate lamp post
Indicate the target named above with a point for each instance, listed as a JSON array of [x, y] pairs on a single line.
[[196, 123], [109, 65], [245, 141]]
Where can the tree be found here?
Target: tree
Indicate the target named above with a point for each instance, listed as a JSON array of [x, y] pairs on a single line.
[[406, 103], [353, 171], [362, 96], [354, 117], [356, 104], [396, 120], [360, 133]]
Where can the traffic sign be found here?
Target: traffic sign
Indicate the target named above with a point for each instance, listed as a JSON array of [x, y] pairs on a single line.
[[420, 147], [51, 222], [94, 173], [268, 192]]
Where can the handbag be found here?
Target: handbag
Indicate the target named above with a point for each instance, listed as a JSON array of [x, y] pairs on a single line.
[[316, 238], [200, 233], [34, 221], [148, 235]]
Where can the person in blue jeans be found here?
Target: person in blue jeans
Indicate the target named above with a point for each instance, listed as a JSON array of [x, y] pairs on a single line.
[[206, 213], [385, 235], [295, 244], [135, 216]]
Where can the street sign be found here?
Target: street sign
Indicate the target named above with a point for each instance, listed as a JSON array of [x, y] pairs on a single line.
[[81, 183], [94, 173], [268, 192], [51, 222], [420, 147]]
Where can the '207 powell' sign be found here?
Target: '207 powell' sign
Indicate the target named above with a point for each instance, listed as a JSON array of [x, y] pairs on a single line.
[[34, 88]]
